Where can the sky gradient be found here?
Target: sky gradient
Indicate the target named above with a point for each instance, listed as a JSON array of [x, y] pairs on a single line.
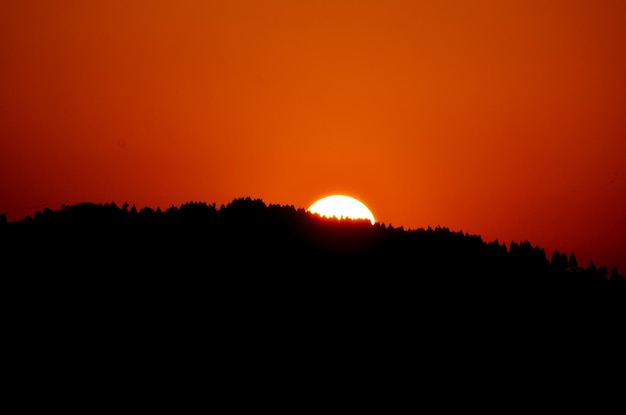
[[505, 119]]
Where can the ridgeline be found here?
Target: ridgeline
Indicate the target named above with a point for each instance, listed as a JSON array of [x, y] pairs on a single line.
[[198, 243], [249, 287]]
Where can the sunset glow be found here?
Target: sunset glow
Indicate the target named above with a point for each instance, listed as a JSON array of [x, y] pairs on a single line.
[[498, 118]]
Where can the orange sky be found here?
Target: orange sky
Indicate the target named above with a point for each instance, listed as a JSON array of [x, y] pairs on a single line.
[[505, 119]]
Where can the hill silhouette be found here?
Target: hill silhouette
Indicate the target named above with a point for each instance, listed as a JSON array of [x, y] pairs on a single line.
[[201, 243], [255, 289]]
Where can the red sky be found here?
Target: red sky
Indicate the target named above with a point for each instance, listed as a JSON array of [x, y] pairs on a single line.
[[505, 119]]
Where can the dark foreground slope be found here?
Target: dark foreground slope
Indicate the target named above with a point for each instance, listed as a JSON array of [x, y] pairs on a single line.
[[273, 249], [267, 305]]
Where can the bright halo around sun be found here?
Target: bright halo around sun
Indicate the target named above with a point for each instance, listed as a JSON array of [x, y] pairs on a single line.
[[341, 207]]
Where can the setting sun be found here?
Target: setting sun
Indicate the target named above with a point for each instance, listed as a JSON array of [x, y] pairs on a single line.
[[341, 207]]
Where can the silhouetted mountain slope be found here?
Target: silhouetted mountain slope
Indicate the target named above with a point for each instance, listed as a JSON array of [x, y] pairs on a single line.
[[250, 289], [246, 240]]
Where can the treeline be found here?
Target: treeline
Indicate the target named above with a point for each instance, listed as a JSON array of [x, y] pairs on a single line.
[[248, 284], [247, 235], [250, 264]]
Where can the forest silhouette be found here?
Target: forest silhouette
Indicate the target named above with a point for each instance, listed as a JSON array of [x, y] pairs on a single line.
[[246, 286], [200, 243]]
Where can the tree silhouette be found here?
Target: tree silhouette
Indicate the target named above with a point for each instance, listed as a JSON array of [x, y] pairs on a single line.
[[199, 245], [572, 263], [615, 275]]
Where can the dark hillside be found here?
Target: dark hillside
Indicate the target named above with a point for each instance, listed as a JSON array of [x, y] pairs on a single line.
[[254, 289], [198, 245]]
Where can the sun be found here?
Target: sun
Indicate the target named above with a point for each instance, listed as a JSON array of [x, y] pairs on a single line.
[[340, 206]]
